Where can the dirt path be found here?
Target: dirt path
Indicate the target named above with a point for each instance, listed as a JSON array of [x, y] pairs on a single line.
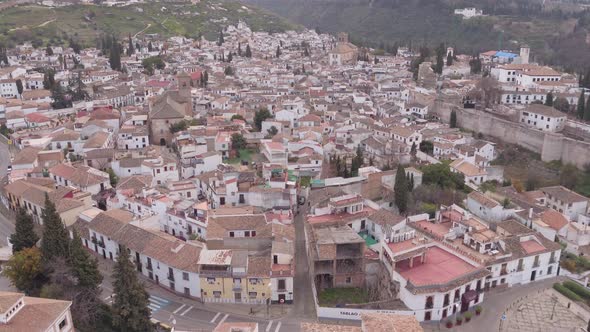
[[141, 31], [37, 26]]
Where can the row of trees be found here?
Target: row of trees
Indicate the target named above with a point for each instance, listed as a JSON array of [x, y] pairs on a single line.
[[61, 268]]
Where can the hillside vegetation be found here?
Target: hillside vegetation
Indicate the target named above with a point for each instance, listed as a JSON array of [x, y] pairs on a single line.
[[45, 25], [557, 36]]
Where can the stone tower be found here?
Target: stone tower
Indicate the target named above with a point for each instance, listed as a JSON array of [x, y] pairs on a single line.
[[342, 37], [525, 51], [184, 85]]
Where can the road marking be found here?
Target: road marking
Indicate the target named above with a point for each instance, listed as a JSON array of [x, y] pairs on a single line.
[[278, 327], [187, 310], [156, 303], [179, 308], [269, 325], [215, 318], [223, 319]]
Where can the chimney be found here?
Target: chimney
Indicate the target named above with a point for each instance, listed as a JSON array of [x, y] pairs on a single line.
[[530, 213]]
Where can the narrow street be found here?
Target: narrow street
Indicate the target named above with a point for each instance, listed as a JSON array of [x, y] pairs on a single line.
[[6, 217], [304, 306]]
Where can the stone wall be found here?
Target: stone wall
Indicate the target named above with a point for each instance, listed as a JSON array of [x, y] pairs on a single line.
[[551, 146]]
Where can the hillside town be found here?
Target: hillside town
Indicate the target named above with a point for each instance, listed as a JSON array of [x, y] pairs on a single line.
[[295, 181]]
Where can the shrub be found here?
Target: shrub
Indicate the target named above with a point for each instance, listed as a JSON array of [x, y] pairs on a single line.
[[478, 309], [468, 316], [566, 292], [449, 324], [569, 264], [459, 321], [578, 289]]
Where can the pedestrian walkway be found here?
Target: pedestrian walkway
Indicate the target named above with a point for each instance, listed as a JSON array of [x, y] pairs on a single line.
[[157, 303]]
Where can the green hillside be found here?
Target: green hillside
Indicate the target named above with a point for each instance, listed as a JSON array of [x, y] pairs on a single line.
[[87, 22], [555, 36]]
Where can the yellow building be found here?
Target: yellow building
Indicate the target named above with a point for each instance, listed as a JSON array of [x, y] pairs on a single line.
[[231, 276]]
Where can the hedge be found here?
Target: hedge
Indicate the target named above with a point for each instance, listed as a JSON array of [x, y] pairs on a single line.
[[578, 289], [566, 292]]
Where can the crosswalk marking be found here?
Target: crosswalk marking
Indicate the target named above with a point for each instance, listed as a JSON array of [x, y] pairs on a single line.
[[224, 318], [215, 318], [278, 326], [269, 325], [179, 308], [187, 310], [156, 303]]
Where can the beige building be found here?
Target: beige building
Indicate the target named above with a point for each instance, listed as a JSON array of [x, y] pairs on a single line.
[[344, 52], [168, 109], [21, 313]]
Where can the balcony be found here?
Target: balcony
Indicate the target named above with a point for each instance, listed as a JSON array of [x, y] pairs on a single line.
[[536, 264], [429, 305], [552, 260], [520, 268], [170, 277], [503, 272], [149, 267]]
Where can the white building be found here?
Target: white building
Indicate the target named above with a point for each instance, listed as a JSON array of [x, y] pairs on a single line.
[[543, 118]]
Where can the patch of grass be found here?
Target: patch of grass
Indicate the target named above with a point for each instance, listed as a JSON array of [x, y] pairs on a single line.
[[245, 154], [566, 292], [333, 296]]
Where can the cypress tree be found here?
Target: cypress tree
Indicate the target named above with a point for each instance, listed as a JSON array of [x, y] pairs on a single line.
[[221, 39], [130, 307], [401, 190], [453, 122], [449, 59], [587, 111], [55, 240], [24, 234], [239, 49], [130, 49], [581, 105], [248, 51], [278, 51]]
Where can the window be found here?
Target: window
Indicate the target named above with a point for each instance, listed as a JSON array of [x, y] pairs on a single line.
[[184, 275], [282, 285], [252, 295], [187, 291], [63, 323], [210, 280], [231, 234], [348, 280], [217, 294], [222, 201]]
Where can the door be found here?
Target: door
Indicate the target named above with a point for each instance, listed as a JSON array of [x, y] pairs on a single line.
[[533, 275], [104, 254], [157, 279], [238, 297]]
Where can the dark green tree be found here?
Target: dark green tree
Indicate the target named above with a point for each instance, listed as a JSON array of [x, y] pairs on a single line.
[[19, 87], [580, 109], [453, 122], [248, 51], [261, 115], [130, 48], [78, 89], [60, 99], [475, 65], [49, 51], [278, 52], [400, 190], [150, 46], [440, 53], [449, 59], [549, 99], [271, 132], [48, 79], [115, 55], [238, 141], [130, 307], [24, 235], [55, 241], [84, 266], [220, 41], [240, 49], [228, 71], [587, 110]]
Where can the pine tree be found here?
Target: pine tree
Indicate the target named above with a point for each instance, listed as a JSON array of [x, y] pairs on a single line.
[[248, 51], [581, 105], [401, 190], [130, 307], [24, 235], [85, 267], [453, 122], [55, 240]]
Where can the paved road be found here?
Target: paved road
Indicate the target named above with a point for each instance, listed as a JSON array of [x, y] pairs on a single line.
[[304, 305]]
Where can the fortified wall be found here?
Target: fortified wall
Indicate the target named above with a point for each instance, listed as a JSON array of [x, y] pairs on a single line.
[[551, 146]]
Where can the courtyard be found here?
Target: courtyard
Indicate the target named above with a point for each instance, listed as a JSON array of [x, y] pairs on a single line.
[[543, 311]]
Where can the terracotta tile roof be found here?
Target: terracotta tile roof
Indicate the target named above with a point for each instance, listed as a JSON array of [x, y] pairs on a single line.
[[37, 314], [26, 156], [82, 176], [386, 218], [554, 219], [220, 226], [483, 200], [563, 194]]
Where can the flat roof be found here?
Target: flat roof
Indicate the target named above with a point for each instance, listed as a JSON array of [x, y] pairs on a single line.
[[337, 235], [531, 246], [439, 267]]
